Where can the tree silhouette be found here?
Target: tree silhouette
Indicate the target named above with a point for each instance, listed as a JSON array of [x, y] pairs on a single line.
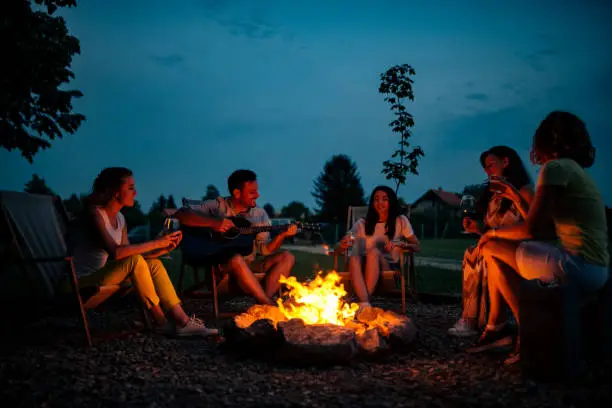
[[170, 202], [212, 193], [295, 209], [37, 185], [159, 205], [269, 210], [37, 58], [397, 85], [74, 204], [134, 216], [475, 190], [338, 187]]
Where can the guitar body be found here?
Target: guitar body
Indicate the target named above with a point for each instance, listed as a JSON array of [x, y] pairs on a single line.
[[203, 243]]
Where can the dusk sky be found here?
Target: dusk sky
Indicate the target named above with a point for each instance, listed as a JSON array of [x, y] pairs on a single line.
[[184, 92]]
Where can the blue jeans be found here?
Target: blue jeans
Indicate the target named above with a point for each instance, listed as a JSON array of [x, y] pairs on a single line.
[[548, 263]]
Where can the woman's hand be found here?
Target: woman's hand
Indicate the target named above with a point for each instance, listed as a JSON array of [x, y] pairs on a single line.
[[471, 226], [505, 189], [169, 241], [345, 242]]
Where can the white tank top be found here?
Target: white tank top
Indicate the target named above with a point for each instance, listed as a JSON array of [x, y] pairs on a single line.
[[88, 256]]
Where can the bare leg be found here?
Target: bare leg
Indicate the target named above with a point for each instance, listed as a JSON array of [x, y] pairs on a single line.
[[357, 279], [277, 265], [372, 269], [247, 280], [178, 315], [503, 279], [158, 315]]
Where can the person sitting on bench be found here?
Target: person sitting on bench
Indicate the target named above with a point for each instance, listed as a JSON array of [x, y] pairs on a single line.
[[567, 207], [104, 256]]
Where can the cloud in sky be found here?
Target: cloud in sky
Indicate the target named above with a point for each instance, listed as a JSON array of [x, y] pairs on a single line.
[[185, 92]]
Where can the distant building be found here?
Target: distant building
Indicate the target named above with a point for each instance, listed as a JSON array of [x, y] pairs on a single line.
[[436, 203], [169, 212]]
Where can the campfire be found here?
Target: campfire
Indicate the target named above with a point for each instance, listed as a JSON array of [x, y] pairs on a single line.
[[318, 302], [314, 323]]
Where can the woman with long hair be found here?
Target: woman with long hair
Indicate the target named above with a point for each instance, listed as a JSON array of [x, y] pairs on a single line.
[[505, 201], [103, 254], [379, 237], [568, 208]]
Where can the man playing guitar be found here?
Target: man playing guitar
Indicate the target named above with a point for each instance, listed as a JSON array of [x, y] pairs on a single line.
[[214, 214]]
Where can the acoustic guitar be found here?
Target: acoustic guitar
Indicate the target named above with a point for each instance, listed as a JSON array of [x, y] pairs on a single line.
[[201, 242]]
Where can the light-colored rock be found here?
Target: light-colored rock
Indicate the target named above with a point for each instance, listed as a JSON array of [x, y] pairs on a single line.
[[317, 343]]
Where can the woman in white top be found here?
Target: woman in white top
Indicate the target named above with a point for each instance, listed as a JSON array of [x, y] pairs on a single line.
[[378, 240], [104, 256]]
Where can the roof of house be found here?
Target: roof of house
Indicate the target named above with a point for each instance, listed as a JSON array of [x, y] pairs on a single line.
[[451, 199], [169, 212]]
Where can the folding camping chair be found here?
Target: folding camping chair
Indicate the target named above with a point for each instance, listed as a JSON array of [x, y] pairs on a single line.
[[213, 279], [38, 225], [387, 284]]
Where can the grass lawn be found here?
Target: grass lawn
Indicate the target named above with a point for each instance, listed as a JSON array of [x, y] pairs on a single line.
[[446, 248], [429, 279]]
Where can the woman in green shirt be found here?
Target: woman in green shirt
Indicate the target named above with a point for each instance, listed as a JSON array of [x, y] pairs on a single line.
[[567, 207]]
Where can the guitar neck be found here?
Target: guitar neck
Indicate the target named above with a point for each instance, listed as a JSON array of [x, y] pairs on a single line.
[[261, 228]]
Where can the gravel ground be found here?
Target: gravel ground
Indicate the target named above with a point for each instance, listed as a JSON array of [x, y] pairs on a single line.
[[44, 364]]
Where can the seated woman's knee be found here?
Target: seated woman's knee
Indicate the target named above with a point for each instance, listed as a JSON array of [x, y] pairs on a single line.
[[236, 260], [155, 262], [373, 254], [287, 258], [488, 249], [134, 260], [155, 265]]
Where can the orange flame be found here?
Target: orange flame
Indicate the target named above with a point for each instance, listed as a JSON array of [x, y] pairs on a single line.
[[318, 301]]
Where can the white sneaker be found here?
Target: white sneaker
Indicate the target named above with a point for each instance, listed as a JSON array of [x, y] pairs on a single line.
[[463, 328], [195, 327]]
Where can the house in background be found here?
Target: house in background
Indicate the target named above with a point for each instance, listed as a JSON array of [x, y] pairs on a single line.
[[437, 201], [436, 210], [169, 212]]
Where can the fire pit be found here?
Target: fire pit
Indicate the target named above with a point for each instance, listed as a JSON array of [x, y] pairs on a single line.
[[313, 324]]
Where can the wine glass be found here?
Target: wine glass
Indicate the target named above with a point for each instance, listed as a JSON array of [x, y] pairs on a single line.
[[468, 208], [170, 225]]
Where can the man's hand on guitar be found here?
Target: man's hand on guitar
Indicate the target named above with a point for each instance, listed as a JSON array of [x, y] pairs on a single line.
[[223, 225], [291, 231]]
